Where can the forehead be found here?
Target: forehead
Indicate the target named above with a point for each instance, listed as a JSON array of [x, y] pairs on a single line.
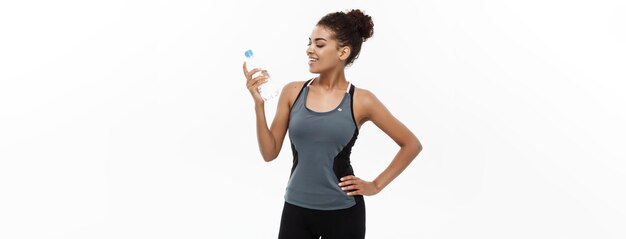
[[321, 32]]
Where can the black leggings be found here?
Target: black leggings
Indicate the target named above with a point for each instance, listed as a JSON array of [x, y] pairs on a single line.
[[304, 223]]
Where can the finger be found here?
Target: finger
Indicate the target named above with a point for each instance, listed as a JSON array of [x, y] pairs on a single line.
[[344, 183], [349, 182], [352, 187], [245, 68], [254, 71], [258, 83], [357, 192], [251, 82], [251, 73], [348, 177], [259, 77]]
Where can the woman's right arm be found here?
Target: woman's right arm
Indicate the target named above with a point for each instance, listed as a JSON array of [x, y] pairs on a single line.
[[270, 140]]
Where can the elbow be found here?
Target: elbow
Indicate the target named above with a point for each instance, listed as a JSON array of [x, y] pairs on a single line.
[[269, 158], [414, 146], [415, 150], [418, 145]]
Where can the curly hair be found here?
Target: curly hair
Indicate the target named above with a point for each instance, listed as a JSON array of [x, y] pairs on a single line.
[[351, 29]]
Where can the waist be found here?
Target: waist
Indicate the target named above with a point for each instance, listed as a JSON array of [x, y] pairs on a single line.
[[319, 200]]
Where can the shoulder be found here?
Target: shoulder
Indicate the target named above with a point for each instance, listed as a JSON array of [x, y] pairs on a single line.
[[364, 96], [294, 85], [292, 89], [366, 101]]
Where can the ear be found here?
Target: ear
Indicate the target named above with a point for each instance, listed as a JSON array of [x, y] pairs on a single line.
[[344, 53]]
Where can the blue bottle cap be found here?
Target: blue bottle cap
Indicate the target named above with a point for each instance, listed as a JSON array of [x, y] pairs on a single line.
[[249, 53]]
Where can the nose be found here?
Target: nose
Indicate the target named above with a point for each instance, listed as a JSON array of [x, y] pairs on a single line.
[[309, 50]]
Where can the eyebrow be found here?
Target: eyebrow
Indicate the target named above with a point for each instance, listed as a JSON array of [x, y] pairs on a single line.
[[319, 38]]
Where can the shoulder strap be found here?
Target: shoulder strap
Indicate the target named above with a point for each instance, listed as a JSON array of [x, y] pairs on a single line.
[[309, 81], [302, 89], [351, 91]]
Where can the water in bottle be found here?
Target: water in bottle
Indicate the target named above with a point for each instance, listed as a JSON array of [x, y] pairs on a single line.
[[268, 90]]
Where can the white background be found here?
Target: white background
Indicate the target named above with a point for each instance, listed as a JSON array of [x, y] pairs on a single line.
[[130, 119]]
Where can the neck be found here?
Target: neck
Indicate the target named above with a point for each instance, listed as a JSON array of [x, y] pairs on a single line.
[[332, 80]]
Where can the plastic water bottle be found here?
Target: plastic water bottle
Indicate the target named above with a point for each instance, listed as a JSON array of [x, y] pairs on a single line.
[[268, 90]]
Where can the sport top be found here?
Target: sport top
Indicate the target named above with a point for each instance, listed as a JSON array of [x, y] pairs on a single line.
[[321, 143]]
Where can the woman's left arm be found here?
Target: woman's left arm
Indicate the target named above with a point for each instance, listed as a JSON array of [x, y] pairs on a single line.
[[410, 147]]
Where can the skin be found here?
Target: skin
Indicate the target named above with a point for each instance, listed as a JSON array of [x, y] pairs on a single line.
[[325, 93]]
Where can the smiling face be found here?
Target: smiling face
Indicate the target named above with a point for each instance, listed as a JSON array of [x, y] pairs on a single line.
[[324, 51]]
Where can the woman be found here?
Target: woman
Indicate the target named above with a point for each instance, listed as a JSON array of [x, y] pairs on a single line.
[[324, 115]]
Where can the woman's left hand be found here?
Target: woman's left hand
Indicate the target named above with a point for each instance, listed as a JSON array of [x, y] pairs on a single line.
[[361, 187]]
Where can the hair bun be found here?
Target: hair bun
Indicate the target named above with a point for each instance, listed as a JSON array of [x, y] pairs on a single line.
[[363, 22]]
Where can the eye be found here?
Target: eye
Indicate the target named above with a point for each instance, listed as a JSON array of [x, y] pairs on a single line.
[[320, 46]]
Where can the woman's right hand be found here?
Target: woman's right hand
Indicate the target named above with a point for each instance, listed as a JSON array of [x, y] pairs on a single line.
[[254, 83]]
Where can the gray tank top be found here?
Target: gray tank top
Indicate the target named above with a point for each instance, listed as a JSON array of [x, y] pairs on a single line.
[[321, 143]]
